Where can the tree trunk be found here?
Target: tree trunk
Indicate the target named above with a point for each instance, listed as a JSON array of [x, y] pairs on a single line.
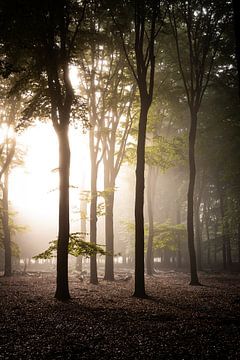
[[208, 239], [179, 252], [139, 202], [93, 210], [79, 263], [198, 238], [192, 174], [150, 196], [229, 252], [6, 230], [224, 252], [83, 229], [109, 264], [224, 248], [62, 290], [109, 184], [228, 245], [215, 243], [198, 227]]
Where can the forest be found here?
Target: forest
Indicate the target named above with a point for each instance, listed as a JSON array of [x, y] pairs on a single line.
[[119, 179]]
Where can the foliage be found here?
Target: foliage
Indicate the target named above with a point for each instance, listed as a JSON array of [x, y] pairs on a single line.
[[167, 235], [76, 247], [163, 152]]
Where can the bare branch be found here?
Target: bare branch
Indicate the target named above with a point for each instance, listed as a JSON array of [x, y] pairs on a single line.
[[173, 24], [124, 47]]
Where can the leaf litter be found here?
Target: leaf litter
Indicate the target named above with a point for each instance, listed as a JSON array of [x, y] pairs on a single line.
[[176, 321]]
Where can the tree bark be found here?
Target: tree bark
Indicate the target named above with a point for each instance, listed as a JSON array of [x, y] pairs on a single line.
[[198, 238], [150, 196], [206, 217], [83, 229], [93, 210], [62, 289], [6, 230], [179, 252], [109, 184], [190, 197], [198, 223], [109, 265], [145, 71], [224, 248], [139, 201], [228, 246]]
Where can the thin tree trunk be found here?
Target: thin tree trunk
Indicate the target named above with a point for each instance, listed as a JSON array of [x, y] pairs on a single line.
[[224, 249], [208, 238], [109, 264], [93, 210], [198, 238], [228, 246], [179, 253], [79, 263], [198, 228], [229, 252], [109, 184], [139, 201], [150, 195], [224, 252], [62, 290], [6, 230], [83, 229], [192, 174]]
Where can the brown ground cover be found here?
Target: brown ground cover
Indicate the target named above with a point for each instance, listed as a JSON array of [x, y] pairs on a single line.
[[177, 321]]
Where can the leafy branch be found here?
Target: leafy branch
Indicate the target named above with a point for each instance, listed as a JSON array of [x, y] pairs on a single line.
[[76, 247]]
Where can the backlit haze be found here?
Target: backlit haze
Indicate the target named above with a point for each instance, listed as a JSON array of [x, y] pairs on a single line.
[[33, 189], [34, 186]]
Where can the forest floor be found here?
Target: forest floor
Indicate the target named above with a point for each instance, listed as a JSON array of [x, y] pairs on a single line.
[[177, 321]]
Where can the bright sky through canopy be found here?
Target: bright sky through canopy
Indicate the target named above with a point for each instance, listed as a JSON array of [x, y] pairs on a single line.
[[34, 186]]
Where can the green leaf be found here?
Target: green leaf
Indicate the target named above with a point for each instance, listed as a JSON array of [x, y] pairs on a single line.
[[76, 247]]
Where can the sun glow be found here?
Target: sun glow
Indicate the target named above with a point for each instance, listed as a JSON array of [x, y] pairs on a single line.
[[6, 132], [74, 77], [34, 186]]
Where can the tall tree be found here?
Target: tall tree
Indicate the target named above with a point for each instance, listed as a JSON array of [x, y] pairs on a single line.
[[144, 20], [43, 55], [197, 28], [10, 109], [118, 122], [96, 78], [7, 152], [105, 85]]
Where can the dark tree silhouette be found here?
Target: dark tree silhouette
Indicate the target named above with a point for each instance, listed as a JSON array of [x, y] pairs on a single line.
[[197, 28], [146, 14], [7, 154], [43, 57]]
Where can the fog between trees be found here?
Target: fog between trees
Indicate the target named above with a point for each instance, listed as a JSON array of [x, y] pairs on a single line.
[[156, 106]]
